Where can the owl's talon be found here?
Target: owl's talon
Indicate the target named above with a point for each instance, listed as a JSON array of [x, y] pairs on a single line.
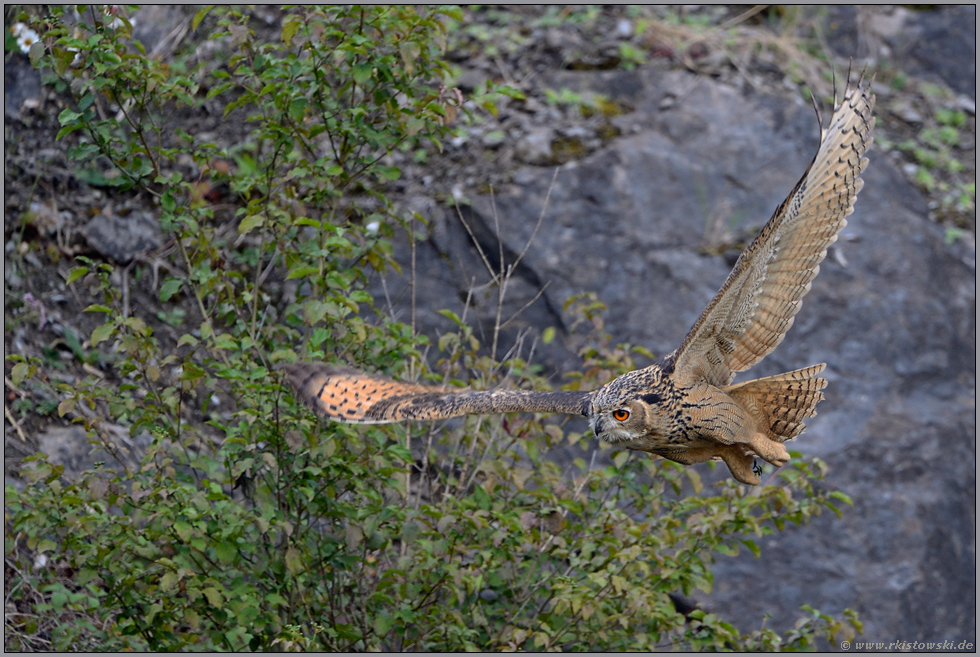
[[770, 450], [740, 464]]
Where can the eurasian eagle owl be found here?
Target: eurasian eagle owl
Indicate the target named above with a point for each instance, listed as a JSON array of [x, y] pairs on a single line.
[[684, 407]]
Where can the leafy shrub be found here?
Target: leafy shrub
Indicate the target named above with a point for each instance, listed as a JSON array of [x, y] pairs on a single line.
[[252, 525]]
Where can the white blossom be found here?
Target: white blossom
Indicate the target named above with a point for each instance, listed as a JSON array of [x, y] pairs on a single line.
[[26, 37]]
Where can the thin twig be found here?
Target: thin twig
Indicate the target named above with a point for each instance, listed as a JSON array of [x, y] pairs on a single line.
[[125, 290], [544, 208], [479, 249], [412, 282], [526, 305], [14, 423], [741, 18]]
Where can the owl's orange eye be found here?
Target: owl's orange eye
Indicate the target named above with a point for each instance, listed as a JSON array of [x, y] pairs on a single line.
[[621, 415]]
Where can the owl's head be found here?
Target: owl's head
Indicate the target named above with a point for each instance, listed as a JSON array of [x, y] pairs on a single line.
[[630, 408]]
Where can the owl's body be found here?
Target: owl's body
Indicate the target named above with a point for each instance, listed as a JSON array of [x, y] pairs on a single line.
[[697, 421], [684, 407]]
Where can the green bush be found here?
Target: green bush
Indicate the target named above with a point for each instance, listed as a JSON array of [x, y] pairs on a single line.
[[252, 525]]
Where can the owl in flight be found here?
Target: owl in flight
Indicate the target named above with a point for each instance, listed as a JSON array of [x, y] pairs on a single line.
[[683, 407]]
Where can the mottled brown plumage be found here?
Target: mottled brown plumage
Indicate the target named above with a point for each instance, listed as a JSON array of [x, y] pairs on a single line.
[[684, 407]]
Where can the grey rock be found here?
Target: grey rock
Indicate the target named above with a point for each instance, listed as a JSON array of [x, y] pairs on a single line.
[[21, 85], [46, 218], [905, 111], [937, 43], [72, 448], [493, 138], [161, 27], [535, 146], [943, 45], [122, 238], [624, 28], [471, 79]]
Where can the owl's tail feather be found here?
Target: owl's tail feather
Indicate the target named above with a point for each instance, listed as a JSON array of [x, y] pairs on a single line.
[[783, 401]]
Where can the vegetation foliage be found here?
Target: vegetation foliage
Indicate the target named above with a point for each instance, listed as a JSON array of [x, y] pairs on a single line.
[[252, 525]]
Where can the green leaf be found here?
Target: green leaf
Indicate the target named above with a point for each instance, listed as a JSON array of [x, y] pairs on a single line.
[[362, 73], [214, 597], [509, 91], [833, 508], [448, 314], [137, 325], [294, 561], [289, 28], [410, 532], [183, 529], [193, 618], [58, 600], [319, 336], [250, 222], [35, 53], [67, 406], [226, 551], [382, 624], [67, 130], [86, 575], [102, 333], [354, 536], [76, 273], [167, 201], [199, 16], [283, 355], [19, 373], [302, 272], [389, 173], [409, 51], [225, 341], [68, 116], [297, 108], [482, 497], [63, 58], [168, 581], [169, 288], [276, 600]]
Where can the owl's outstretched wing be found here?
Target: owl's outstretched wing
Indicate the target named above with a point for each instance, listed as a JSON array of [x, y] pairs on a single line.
[[345, 394], [755, 307]]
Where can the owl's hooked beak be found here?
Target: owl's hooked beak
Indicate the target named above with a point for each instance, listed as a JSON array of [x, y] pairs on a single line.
[[597, 426]]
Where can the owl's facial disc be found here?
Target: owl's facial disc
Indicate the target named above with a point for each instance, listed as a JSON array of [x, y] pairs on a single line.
[[616, 425]]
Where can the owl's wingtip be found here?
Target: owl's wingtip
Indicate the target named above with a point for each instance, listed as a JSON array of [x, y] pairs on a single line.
[[309, 381]]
